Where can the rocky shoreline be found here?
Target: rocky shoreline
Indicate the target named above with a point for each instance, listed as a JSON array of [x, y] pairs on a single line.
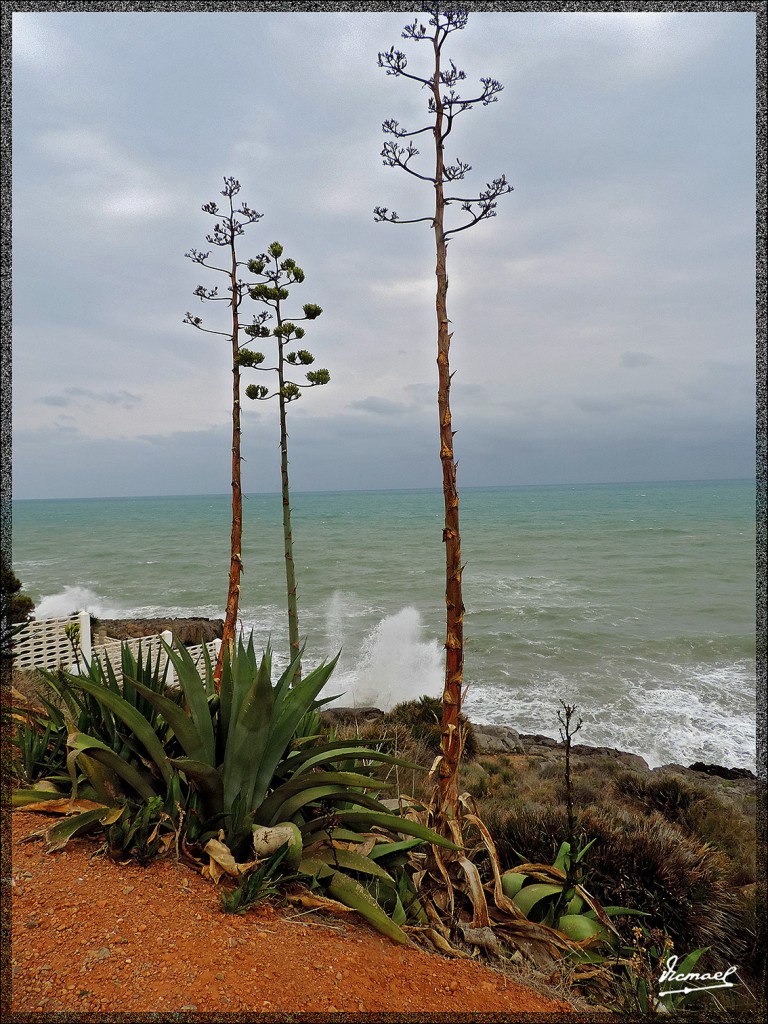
[[186, 630], [495, 741]]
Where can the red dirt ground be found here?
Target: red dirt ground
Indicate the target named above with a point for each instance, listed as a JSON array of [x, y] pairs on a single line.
[[90, 935]]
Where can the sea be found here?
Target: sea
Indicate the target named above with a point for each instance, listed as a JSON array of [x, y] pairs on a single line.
[[633, 602]]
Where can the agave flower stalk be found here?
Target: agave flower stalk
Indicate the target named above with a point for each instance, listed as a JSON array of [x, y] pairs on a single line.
[[230, 224], [278, 274], [445, 105]]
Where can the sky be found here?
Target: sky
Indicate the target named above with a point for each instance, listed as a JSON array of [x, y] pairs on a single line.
[[604, 320]]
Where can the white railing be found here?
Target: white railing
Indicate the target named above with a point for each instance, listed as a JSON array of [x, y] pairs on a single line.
[[112, 649], [44, 643]]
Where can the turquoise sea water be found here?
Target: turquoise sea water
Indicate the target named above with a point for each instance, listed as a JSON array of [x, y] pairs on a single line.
[[636, 602]]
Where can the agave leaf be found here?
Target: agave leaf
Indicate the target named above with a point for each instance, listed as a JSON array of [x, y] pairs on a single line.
[[597, 909], [512, 883], [136, 722], [101, 777], [690, 961], [351, 861], [54, 713], [208, 672], [317, 902], [346, 890], [346, 835], [542, 871], [226, 693], [442, 945], [247, 745], [398, 913], [287, 715], [275, 800], [72, 703], [575, 905], [58, 835], [500, 898], [382, 850], [563, 856], [283, 683], [221, 860], [195, 697], [25, 797], [314, 868], [245, 669], [584, 849], [394, 823], [313, 759], [182, 724], [581, 928], [61, 805], [333, 793], [298, 756], [617, 912], [99, 751], [527, 898], [206, 781], [474, 887]]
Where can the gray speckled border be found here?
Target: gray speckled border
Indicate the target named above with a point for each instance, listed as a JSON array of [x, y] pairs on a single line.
[[6, 11]]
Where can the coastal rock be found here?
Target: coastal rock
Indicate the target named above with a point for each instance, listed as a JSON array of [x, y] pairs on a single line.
[[497, 739], [351, 716], [545, 746], [630, 760], [720, 772], [187, 630]]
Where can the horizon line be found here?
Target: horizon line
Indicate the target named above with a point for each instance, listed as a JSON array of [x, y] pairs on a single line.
[[389, 490]]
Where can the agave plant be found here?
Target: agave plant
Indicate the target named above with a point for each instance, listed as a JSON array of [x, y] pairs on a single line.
[[543, 893], [41, 744], [91, 749], [246, 769]]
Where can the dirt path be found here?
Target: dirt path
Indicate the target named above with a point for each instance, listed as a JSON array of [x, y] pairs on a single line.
[[92, 935]]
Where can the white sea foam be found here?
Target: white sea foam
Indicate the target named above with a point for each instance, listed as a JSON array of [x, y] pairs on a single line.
[[664, 720], [76, 599], [394, 664]]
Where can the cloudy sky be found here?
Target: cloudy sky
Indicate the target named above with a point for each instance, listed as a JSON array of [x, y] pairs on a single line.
[[603, 321]]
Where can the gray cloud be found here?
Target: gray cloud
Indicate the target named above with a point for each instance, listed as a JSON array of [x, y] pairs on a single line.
[[78, 395], [636, 359], [627, 245], [380, 406]]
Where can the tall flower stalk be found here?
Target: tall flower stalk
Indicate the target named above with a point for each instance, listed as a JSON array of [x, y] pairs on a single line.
[[444, 105], [230, 224], [278, 274]]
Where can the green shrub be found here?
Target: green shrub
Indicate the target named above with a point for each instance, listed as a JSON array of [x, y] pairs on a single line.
[[16, 607], [42, 749], [531, 832], [255, 887]]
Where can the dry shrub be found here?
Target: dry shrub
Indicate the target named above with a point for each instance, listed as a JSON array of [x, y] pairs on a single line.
[[700, 813], [530, 832], [423, 719], [670, 795]]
